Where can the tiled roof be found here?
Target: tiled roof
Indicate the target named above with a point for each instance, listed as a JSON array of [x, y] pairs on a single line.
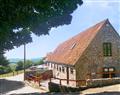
[[70, 51]]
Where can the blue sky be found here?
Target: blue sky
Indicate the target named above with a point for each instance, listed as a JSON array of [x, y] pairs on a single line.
[[90, 13]]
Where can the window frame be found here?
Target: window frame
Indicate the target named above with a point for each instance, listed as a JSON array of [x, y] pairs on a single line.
[[107, 49], [60, 68], [63, 69], [71, 70]]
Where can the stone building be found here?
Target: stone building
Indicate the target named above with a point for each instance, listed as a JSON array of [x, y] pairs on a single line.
[[93, 53]]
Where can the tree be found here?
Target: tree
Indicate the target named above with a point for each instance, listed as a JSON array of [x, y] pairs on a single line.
[[20, 18], [40, 62], [28, 63], [19, 65], [4, 65], [3, 61], [13, 67]]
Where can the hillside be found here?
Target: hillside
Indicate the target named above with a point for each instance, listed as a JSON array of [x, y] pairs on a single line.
[[15, 60]]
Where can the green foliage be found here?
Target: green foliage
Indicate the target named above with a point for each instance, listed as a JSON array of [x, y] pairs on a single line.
[[39, 62], [20, 65], [5, 69], [31, 16], [13, 67], [4, 65], [28, 63], [3, 60]]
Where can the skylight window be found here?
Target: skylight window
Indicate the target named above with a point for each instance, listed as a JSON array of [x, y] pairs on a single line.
[[73, 45]]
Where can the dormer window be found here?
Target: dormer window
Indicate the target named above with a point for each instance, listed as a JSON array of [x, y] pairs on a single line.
[[107, 49]]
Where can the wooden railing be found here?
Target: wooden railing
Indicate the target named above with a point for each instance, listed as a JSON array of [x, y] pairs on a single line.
[[34, 79], [80, 82], [37, 79]]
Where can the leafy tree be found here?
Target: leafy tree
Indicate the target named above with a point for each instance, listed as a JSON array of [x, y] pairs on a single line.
[[39, 62], [19, 65], [4, 65], [3, 60], [28, 63], [1, 69], [20, 18], [13, 67]]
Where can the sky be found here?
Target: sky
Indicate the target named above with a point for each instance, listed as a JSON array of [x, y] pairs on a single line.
[[90, 13]]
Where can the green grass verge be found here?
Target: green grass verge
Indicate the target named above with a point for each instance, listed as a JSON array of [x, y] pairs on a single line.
[[11, 74]]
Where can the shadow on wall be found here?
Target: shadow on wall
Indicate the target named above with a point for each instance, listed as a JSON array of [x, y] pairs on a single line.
[[106, 93], [8, 85]]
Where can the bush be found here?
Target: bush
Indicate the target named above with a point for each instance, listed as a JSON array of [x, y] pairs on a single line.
[[20, 65], [39, 62], [4, 69]]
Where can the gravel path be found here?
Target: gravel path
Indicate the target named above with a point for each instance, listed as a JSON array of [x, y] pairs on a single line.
[[15, 85]]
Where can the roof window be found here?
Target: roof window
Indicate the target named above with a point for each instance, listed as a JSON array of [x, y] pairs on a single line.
[[73, 45]]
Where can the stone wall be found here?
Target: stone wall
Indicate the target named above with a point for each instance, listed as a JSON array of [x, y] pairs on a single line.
[[93, 60], [102, 82]]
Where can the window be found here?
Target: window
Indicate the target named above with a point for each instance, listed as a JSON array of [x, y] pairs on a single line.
[[63, 69], [51, 65], [110, 69], [60, 69], [107, 49], [54, 66], [108, 72], [57, 67], [71, 70], [73, 45], [105, 69]]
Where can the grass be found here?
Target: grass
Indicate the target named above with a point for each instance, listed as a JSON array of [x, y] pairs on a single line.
[[11, 74]]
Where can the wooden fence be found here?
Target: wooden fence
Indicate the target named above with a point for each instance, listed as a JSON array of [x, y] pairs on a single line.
[[37, 79], [78, 82]]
